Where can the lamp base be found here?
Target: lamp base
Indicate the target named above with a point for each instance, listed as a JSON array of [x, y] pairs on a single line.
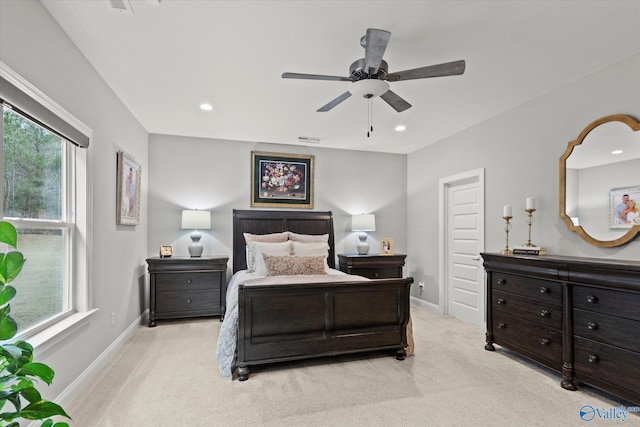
[[363, 245], [195, 248]]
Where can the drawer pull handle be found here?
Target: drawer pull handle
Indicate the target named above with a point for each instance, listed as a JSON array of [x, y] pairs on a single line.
[[592, 325], [544, 313], [544, 290], [375, 274], [501, 325], [188, 300], [501, 301], [502, 281], [592, 299], [593, 358], [545, 341], [188, 280]]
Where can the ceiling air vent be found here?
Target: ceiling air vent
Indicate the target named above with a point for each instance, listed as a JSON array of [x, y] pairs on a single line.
[[309, 139], [121, 6]]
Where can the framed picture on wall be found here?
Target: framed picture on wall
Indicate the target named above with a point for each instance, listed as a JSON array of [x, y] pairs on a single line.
[[624, 210], [128, 190], [281, 180]]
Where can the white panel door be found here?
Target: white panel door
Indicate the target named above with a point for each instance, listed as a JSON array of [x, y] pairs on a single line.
[[465, 275]]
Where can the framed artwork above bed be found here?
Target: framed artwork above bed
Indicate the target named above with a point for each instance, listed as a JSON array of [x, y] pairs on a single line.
[[281, 180]]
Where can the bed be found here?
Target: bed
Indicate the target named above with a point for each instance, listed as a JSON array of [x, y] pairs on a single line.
[[282, 318]]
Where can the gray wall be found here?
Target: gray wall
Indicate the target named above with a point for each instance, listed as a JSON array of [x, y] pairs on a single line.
[[33, 45], [519, 150], [196, 173]]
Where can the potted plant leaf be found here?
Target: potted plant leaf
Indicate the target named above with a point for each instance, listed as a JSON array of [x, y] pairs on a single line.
[[19, 398]]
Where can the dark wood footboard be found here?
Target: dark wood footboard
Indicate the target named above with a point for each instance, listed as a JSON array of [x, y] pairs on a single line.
[[296, 321]]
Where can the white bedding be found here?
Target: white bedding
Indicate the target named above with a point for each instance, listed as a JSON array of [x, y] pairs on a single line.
[[226, 347]]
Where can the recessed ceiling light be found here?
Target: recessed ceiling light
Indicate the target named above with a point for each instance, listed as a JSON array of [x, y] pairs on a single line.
[[616, 152], [401, 128], [206, 107]]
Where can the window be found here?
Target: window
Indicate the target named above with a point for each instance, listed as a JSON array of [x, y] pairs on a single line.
[[44, 196]]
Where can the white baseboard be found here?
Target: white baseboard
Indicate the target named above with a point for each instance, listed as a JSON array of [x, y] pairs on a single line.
[[92, 370], [425, 304]]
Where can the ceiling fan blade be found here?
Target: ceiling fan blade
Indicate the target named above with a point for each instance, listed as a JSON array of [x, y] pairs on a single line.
[[375, 44], [334, 102], [314, 77], [395, 101], [439, 70]]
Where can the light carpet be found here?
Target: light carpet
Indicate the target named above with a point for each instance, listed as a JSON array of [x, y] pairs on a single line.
[[168, 376]]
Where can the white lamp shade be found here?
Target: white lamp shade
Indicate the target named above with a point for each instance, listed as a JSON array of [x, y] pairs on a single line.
[[200, 220], [364, 222]]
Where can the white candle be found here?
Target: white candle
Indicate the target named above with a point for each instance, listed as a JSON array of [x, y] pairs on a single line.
[[506, 211], [531, 203]]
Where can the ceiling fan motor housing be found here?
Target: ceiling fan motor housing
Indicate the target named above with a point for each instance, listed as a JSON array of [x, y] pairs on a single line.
[[357, 71]]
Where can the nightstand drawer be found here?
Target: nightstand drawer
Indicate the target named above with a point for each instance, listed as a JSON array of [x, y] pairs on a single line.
[[372, 266], [185, 281], [377, 273], [181, 287], [180, 302]]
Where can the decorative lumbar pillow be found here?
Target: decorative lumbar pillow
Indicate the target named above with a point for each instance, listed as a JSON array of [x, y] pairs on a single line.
[[260, 248], [270, 238], [288, 265], [309, 238]]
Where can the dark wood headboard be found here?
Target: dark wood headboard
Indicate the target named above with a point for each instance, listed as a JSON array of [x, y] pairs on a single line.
[[265, 222]]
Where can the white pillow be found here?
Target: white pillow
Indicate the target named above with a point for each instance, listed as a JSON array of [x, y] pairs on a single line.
[[311, 249], [250, 238], [259, 248], [308, 238]]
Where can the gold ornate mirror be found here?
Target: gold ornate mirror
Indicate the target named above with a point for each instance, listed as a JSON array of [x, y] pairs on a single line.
[[599, 174]]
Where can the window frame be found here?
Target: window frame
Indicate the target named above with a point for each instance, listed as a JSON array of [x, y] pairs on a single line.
[[78, 180]]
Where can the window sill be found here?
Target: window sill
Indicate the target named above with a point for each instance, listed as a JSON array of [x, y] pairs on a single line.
[[53, 335]]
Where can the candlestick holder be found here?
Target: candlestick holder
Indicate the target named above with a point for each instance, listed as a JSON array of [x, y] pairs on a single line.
[[529, 222], [507, 225]]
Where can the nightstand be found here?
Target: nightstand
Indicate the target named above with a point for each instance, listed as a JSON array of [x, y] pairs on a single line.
[[182, 287], [373, 266]]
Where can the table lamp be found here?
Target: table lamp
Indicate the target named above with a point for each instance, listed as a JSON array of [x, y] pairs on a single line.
[[363, 223], [196, 220]]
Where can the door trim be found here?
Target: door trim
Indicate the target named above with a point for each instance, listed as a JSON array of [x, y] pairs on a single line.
[[476, 175]]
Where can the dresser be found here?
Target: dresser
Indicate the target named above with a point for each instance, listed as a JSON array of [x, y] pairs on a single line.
[[578, 316], [182, 287], [373, 266]]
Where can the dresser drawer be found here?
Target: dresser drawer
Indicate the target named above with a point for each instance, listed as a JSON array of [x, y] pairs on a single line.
[[543, 312], [187, 280], [528, 287], [607, 363], [607, 329], [186, 302], [531, 336], [620, 303]]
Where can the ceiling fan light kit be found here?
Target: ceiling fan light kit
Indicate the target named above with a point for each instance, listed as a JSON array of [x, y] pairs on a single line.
[[369, 75]]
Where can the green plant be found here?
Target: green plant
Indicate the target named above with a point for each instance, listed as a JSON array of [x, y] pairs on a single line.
[[18, 371]]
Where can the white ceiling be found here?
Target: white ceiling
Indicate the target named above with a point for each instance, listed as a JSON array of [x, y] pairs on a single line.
[[164, 60]]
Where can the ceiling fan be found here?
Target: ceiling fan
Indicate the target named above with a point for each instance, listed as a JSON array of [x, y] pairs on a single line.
[[370, 74]]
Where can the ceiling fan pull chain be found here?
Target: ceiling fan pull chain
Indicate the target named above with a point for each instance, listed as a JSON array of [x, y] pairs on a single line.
[[368, 115]]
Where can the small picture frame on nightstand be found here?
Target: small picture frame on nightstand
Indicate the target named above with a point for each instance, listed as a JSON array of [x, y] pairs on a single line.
[[386, 246], [166, 251]]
